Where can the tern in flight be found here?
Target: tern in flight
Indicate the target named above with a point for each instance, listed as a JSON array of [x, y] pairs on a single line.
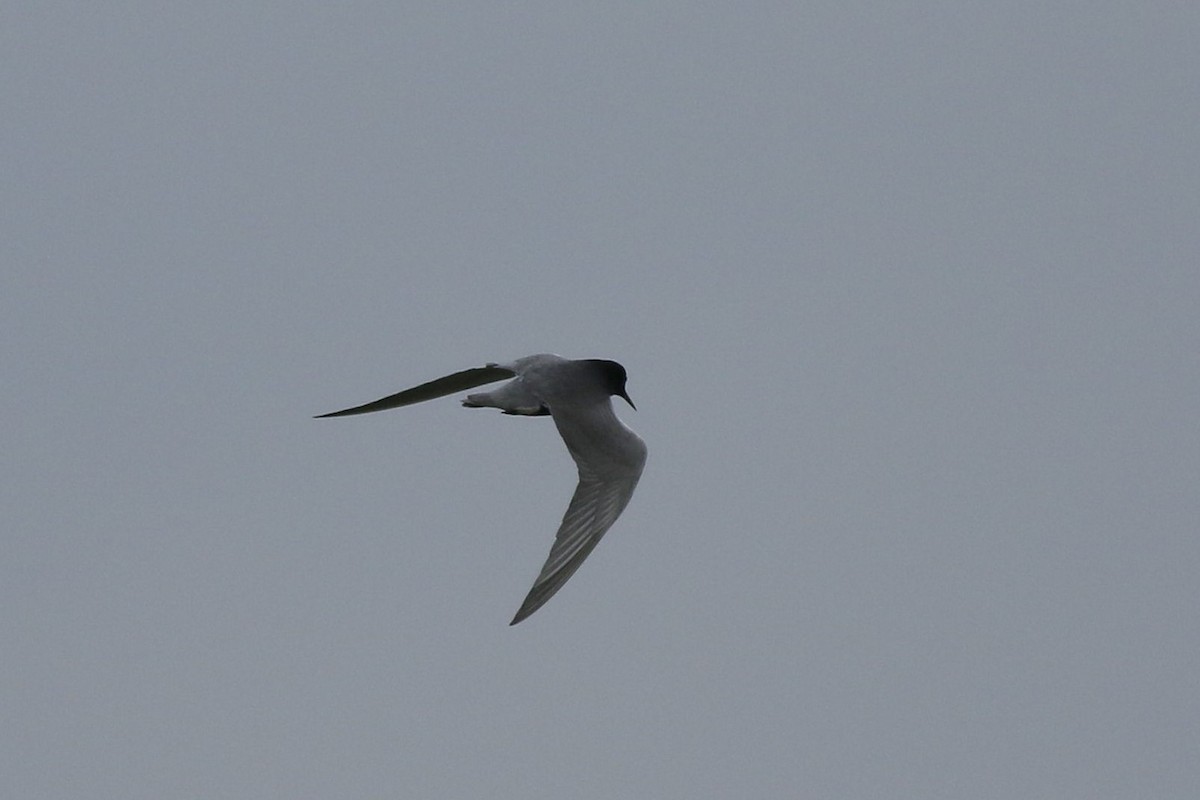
[[576, 395]]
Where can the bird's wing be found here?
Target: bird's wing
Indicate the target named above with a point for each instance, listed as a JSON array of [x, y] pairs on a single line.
[[610, 459], [467, 379]]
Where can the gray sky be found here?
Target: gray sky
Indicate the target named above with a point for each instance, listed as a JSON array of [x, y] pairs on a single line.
[[908, 294]]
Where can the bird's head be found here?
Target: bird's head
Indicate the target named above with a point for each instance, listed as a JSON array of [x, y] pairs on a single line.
[[614, 377]]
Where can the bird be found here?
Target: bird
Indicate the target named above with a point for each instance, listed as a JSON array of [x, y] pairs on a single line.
[[577, 394]]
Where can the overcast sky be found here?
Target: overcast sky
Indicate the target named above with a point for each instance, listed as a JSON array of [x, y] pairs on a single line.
[[909, 297]]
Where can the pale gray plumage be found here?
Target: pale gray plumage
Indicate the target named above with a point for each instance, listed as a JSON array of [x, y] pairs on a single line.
[[576, 394]]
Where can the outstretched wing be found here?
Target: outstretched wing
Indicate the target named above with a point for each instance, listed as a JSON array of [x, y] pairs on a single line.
[[610, 459], [459, 381]]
